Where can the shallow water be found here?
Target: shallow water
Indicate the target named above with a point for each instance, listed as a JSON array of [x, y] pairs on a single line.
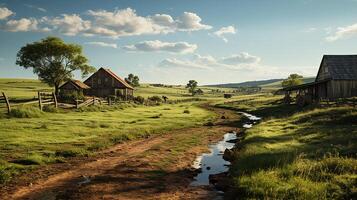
[[213, 162]]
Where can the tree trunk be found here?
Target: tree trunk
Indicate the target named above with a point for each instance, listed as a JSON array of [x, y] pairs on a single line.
[[56, 89]]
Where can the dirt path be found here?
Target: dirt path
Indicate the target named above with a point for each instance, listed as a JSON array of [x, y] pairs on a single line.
[[154, 168]]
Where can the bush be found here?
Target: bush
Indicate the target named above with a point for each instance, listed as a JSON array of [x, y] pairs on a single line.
[[156, 99], [25, 113], [50, 109], [186, 111], [71, 97], [139, 100]]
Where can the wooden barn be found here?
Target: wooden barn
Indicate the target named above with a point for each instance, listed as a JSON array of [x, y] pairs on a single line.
[[336, 78], [73, 86], [104, 83]]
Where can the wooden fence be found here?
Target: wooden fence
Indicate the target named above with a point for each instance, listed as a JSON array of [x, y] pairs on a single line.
[[44, 98]]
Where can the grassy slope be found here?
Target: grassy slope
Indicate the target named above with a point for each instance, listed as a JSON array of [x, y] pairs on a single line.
[[46, 137], [22, 88], [277, 85], [296, 154]]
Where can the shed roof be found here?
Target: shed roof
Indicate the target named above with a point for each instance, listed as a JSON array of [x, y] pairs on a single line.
[[78, 84], [341, 67], [118, 78]]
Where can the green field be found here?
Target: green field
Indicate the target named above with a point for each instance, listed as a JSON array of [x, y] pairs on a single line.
[[30, 137], [296, 153]]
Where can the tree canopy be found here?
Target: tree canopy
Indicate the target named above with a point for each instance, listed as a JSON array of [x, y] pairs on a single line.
[[192, 86], [53, 60], [133, 80], [292, 80]]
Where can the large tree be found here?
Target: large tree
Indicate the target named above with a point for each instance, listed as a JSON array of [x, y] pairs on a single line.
[[192, 86], [133, 80], [53, 60], [292, 80]]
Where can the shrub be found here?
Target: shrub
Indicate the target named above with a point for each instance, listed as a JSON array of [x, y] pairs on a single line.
[[25, 113], [71, 97], [186, 111], [139, 100], [155, 99], [50, 109]]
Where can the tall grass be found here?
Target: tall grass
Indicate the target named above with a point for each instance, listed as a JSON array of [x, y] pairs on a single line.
[[305, 153]]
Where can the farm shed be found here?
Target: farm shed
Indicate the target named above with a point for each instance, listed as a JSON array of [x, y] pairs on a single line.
[[104, 83], [336, 78], [73, 86]]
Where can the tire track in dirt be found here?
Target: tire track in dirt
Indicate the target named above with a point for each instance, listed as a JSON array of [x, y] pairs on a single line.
[[123, 171]]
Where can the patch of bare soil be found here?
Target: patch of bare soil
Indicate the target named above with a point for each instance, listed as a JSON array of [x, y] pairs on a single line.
[[144, 169]]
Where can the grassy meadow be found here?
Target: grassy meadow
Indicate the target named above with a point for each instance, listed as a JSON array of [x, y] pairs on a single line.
[[31, 138], [295, 153]]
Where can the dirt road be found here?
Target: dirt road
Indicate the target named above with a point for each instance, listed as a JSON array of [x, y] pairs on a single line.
[[155, 168]]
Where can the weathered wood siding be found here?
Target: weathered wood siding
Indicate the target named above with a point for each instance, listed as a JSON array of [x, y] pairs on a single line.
[[69, 87], [102, 84], [323, 73], [342, 88]]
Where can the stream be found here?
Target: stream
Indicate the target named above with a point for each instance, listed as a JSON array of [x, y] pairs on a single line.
[[213, 162]]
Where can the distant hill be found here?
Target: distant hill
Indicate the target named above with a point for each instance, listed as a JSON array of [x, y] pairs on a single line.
[[246, 84], [277, 84], [269, 84]]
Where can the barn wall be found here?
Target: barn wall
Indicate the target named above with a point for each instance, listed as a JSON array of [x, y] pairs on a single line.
[[68, 88], [323, 73], [103, 84], [342, 88]]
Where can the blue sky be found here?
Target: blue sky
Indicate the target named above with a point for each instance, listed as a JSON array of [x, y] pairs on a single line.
[[170, 41]]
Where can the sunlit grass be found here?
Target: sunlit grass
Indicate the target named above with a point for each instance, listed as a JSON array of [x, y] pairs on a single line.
[[296, 153]]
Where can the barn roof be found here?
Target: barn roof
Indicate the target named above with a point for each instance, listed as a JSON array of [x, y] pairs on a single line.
[[118, 78], [341, 67], [78, 84]]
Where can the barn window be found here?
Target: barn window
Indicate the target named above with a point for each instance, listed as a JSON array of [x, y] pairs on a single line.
[[99, 81], [106, 79], [326, 69]]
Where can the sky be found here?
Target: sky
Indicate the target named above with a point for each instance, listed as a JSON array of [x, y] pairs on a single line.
[[171, 42]]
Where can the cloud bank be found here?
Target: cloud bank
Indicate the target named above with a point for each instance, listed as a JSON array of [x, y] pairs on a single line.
[[117, 23], [241, 61], [159, 46]]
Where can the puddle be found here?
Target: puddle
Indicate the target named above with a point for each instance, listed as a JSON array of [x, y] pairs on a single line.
[[213, 163]]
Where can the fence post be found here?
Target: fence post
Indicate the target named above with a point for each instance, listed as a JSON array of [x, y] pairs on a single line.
[[55, 99], [39, 101], [7, 102]]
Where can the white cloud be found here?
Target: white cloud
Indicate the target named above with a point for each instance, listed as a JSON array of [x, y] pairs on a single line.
[[103, 44], [241, 61], [343, 32], [241, 58], [21, 25], [35, 7], [5, 12], [159, 46], [68, 24], [126, 22], [119, 23], [224, 31], [191, 22]]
